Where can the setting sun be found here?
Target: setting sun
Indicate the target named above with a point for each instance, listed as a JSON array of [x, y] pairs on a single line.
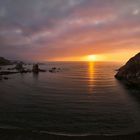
[[92, 58]]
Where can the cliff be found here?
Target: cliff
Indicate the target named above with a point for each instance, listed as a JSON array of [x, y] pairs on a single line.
[[130, 72]]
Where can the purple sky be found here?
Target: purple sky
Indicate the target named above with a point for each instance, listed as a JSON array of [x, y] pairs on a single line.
[[48, 29]]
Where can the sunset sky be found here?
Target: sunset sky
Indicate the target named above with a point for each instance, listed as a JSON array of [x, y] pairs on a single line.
[[68, 30]]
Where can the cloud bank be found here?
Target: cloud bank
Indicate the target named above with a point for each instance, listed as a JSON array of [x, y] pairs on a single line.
[[48, 29]]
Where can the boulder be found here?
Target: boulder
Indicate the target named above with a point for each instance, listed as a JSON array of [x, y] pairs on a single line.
[[130, 72]]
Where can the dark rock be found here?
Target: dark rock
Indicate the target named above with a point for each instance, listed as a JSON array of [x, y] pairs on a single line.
[[130, 72], [4, 61], [11, 68], [54, 70], [35, 68], [7, 72], [51, 71], [5, 78], [19, 67], [25, 71], [42, 70]]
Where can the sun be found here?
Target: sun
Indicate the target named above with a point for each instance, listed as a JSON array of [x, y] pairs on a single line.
[[92, 57]]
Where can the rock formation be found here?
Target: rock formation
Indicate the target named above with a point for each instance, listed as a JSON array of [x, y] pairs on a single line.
[[19, 67], [35, 68], [130, 72], [4, 61]]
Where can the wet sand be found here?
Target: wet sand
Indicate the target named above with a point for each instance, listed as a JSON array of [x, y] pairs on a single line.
[[6, 134]]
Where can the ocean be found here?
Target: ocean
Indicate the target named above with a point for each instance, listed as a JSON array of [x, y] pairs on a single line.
[[82, 99]]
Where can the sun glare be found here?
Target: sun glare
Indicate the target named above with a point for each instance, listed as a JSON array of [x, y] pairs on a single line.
[[92, 58]]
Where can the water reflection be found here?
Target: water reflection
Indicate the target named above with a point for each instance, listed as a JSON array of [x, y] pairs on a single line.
[[91, 76], [35, 76]]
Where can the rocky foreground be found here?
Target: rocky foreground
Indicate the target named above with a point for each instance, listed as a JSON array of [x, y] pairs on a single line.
[[130, 72]]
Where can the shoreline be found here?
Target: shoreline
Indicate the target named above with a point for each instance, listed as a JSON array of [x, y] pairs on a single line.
[[20, 134]]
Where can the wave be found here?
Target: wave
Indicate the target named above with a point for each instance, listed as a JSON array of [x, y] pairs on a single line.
[[38, 132]]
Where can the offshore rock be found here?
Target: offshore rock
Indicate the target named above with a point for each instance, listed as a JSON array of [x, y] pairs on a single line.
[[36, 69]]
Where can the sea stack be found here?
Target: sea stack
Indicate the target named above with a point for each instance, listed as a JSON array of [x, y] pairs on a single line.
[[35, 68], [130, 72]]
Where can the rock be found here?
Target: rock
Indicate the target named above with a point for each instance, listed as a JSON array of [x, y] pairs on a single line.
[[130, 72], [54, 70], [51, 71], [42, 70], [35, 68], [7, 72], [5, 78], [25, 71], [4, 61], [19, 67], [11, 68]]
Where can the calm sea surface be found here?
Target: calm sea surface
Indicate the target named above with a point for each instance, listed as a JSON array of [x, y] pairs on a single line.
[[82, 99]]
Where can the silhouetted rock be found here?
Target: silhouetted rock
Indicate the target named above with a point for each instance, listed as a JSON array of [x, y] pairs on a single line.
[[5, 78], [42, 70], [54, 70], [35, 68], [7, 72], [130, 72], [4, 61], [11, 68], [19, 67]]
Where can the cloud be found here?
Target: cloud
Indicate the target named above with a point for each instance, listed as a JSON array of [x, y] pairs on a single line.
[[45, 29]]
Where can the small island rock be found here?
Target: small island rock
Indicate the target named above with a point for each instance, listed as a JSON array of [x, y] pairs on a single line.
[[35, 68], [19, 67]]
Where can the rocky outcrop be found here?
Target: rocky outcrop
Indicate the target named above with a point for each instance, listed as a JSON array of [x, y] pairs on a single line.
[[36, 69], [54, 70], [19, 67], [4, 61], [130, 72]]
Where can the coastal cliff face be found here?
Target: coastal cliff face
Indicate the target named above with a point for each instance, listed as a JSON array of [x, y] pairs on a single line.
[[130, 72], [4, 61]]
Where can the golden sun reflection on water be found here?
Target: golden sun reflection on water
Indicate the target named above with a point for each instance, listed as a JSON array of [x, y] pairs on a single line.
[[91, 75]]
